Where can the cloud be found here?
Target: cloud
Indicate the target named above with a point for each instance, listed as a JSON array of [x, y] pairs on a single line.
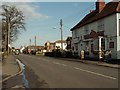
[[29, 10]]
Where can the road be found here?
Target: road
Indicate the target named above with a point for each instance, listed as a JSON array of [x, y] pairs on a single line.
[[59, 73]]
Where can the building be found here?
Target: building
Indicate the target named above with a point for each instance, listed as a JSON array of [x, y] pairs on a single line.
[[21, 49], [57, 44], [98, 31], [35, 48], [68, 41], [49, 46]]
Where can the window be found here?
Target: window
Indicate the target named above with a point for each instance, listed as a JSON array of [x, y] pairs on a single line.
[[111, 45], [101, 25], [92, 48], [86, 28], [76, 47], [87, 46], [81, 44], [75, 33], [103, 43], [68, 43], [72, 48]]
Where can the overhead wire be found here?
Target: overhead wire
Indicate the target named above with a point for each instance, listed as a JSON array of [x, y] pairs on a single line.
[[76, 17]]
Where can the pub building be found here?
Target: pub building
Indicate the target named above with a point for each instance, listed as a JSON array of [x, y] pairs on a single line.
[[98, 31]]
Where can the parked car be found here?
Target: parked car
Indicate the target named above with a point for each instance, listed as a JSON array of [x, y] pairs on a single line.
[[17, 52]]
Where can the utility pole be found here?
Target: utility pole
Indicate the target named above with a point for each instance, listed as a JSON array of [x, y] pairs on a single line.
[[35, 44], [61, 34], [30, 45]]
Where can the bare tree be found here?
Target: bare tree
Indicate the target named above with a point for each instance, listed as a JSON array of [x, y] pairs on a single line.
[[0, 36], [13, 21]]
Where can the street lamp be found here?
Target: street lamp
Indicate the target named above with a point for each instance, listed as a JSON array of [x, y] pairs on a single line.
[[61, 33], [35, 44]]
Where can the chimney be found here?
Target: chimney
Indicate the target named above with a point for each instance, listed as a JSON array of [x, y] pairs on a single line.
[[100, 4]]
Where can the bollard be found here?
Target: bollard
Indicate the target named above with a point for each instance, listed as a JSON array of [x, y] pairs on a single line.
[[82, 54]]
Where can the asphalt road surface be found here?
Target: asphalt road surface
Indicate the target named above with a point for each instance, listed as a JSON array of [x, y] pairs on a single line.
[[59, 73]]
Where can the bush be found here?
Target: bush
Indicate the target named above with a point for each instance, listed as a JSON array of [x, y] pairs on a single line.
[[49, 54], [55, 53], [59, 53], [68, 54]]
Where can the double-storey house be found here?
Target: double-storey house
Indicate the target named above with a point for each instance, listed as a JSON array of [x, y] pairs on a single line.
[[98, 31]]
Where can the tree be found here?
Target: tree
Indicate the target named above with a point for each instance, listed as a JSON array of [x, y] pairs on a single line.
[[0, 36], [13, 21]]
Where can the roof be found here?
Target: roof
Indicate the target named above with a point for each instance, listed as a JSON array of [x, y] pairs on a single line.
[[69, 38], [59, 41], [49, 43], [40, 47], [109, 9]]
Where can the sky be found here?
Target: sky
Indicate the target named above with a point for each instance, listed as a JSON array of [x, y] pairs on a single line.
[[43, 20]]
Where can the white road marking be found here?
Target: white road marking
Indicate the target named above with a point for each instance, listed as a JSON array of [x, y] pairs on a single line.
[[39, 58], [59, 64], [96, 73], [56, 63], [63, 64], [87, 71], [47, 60]]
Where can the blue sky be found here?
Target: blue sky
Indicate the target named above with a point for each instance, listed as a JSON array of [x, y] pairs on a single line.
[[42, 17]]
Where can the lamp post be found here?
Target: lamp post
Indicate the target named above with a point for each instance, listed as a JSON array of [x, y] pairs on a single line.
[[35, 44], [61, 34], [30, 45]]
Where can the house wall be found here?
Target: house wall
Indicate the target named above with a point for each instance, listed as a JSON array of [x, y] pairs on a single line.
[[110, 32], [118, 36], [59, 45]]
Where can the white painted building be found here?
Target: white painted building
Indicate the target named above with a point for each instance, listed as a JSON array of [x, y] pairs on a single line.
[[99, 30], [57, 44]]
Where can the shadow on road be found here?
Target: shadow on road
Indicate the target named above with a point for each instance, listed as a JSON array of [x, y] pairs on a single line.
[[34, 80]]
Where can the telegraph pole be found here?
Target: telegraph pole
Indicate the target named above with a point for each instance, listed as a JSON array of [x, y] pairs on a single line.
[[61, 34], [30, 45], [35, 44]]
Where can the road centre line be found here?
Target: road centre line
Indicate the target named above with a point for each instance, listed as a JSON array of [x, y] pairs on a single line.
[[110, 77], [64, 64], [37, 58], [59, 63], [95, 73], [47, 60], [56, 63]]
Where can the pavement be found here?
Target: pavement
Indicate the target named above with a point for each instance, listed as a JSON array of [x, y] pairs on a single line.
[[11, 64], [99, 63], [11, 73], [10, 69]]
